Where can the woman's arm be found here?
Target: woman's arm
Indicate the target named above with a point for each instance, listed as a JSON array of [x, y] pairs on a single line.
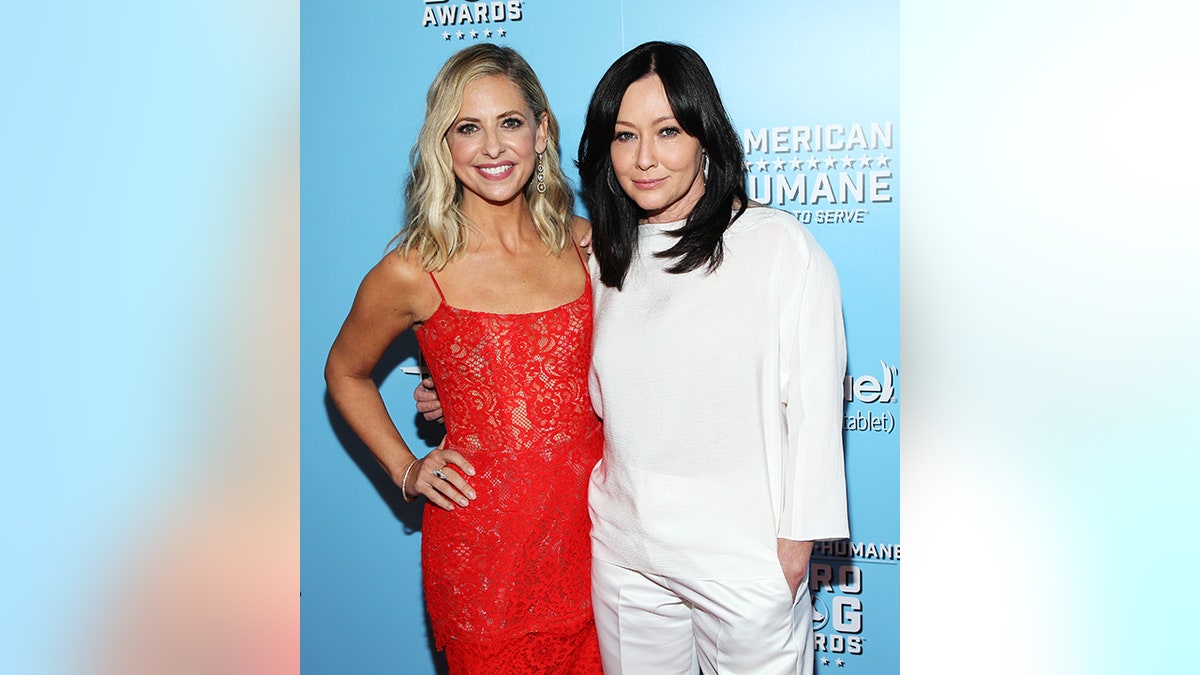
[[394, 295], [815, 506]]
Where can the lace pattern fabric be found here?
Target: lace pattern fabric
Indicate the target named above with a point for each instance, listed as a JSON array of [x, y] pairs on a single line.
[[517, 561]]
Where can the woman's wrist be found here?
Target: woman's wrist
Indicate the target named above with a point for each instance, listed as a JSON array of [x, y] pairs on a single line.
[[404, 481]]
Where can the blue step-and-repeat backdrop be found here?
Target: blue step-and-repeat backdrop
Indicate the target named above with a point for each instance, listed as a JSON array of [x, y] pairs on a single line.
[[813, 88]]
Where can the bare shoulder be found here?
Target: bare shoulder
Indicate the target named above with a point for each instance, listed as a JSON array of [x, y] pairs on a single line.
[[399, 283], [581, 228], [393, 296], [398, 267]]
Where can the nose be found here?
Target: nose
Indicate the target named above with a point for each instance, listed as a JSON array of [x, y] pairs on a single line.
[[645, 158], [492, 147]]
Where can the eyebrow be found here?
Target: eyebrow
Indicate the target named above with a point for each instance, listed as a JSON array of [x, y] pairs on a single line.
[[652, 122], [510, 113]]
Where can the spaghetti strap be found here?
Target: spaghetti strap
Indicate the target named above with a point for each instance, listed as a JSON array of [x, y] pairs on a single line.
[[439, 288], [587, 276]]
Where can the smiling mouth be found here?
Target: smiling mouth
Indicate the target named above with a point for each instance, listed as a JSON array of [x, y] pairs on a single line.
[[649, 184], [496, 172]]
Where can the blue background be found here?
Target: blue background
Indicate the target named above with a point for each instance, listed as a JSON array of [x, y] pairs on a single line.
[[365, 68], [149, 279]]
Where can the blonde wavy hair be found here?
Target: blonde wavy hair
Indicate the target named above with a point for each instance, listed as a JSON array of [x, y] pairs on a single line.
[[435, 227]]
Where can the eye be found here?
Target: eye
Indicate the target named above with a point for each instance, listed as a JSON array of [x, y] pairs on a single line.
[[512, 123], [670, 132], [623, 136], [466, 128]]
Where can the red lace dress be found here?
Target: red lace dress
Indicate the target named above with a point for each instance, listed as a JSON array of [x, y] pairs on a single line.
[[507, 579]]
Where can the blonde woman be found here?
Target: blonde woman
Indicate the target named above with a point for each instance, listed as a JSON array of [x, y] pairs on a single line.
[[487, 275]]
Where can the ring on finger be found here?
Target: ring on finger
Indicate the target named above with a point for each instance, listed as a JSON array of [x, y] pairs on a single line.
[[440, 474]]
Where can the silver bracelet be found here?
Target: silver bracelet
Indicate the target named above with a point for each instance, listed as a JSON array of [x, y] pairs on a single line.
[[404, 480]]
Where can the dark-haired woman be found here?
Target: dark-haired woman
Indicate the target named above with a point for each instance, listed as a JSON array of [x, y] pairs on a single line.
[[717, 367]]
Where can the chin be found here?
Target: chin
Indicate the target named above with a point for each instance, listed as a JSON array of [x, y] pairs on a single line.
[[654, 210], [502, 199]]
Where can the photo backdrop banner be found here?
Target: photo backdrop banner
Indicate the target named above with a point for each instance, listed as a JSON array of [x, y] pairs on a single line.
[[812, 88]]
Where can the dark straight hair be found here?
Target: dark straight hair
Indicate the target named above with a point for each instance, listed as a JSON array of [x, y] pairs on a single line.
[[697, 106]]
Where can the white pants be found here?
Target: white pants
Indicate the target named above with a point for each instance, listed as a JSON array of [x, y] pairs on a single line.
[[654, 625]]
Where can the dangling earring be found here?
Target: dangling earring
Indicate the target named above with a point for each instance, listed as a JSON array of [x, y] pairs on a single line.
[[705, 165], [541, 176]]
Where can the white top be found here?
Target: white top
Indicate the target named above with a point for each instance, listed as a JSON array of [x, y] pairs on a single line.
[[721, 396]]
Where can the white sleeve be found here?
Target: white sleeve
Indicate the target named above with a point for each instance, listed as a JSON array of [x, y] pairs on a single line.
[[813, 368]]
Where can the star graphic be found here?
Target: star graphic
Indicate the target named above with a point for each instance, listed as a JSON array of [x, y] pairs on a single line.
[[865, 162], [813, 162], [830, 162], [847, 162], [883, 160], [797, 164], [487, 33], [446, 34], [779, 163], [461, 35], [840, 663], [474, 35], [749, 166], [824, 661], [500, 32], [762, 165]]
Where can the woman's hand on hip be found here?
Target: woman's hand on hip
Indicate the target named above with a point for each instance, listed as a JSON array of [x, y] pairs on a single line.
[[442, 477]]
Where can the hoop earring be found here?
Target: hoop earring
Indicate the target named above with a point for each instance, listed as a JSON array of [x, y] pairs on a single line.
[[617, 191], [541, 176], [706, 166]]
